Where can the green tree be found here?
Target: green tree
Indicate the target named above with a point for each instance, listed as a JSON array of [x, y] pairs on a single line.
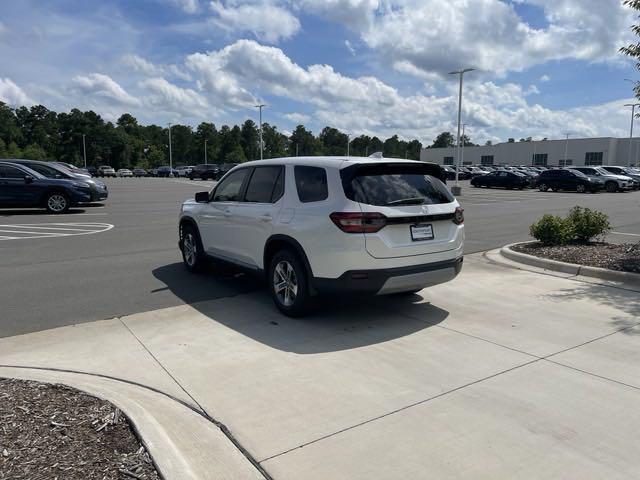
[[34, 152], [305, 143], [444, 140], [633, 50], [276, 144], [236, 155], [250, 140]]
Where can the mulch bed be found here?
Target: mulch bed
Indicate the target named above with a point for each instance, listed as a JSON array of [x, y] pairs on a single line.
[[57, 432], [623, 257]]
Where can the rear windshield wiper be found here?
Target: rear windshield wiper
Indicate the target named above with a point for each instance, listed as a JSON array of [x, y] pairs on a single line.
[[407, 201]]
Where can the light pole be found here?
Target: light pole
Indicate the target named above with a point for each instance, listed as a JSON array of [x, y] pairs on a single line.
[[348, 143], [457, 190], [205, 151], [170, 154], [633, 114], [566, 148], [84, 150], [259, 107], [464, 125]]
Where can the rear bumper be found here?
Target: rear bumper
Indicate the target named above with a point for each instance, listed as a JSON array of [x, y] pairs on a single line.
[[390, 280]]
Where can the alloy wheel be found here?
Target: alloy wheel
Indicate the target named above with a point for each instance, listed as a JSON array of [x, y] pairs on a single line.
[[285, 283], [189, 249], [57, 203]]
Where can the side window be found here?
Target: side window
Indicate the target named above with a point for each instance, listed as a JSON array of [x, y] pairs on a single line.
[[263, 184], [311, 183], [46, 171], [7, 171], [230, 188]]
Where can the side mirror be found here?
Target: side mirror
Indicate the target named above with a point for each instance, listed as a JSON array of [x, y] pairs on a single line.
[[202, 197], [28, 179]]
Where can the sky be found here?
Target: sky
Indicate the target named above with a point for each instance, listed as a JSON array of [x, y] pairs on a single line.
[[378, 67]]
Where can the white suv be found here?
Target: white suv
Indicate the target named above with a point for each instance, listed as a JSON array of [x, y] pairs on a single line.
[[315, 225]]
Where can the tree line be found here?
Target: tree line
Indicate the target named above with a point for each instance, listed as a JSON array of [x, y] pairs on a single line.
[[41, 134]]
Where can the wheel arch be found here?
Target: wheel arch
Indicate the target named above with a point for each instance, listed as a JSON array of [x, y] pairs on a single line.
[[55, 189], [184, 221], [278, 242]]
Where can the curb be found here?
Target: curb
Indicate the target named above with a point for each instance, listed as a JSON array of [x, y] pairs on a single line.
[[570, 268]]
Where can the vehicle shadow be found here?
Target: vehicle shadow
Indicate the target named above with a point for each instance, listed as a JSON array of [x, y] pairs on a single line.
[[338, 323], [625, 301], [35, 212]]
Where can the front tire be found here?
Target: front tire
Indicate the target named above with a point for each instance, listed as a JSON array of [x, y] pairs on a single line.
[[192, 251], [581, 189], [287, 280], [57, 202], [543, 187], [611, 187]]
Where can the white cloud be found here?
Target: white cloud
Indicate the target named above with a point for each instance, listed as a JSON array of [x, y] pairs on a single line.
[[268, 22], [139, 64], [188, 6], [12, 94], [368, 105], [170, 97], [442, 35], [103, 86], [298, 118], [352, 50], [545, 78]]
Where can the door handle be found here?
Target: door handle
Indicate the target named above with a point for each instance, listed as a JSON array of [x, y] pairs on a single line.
[[227, 212], [266, 218]]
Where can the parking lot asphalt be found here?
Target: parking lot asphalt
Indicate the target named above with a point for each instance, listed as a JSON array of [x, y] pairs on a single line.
[[121, 257]]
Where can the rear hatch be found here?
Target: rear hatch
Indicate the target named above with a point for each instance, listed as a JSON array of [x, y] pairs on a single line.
[[418, 207]]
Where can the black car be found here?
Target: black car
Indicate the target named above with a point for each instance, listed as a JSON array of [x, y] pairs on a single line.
[[502, 179], [22, 187], [205, 172], [568, 180], [56, 170], [139, 172]]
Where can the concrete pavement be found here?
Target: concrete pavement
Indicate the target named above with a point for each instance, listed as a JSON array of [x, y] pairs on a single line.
[[501, 373]]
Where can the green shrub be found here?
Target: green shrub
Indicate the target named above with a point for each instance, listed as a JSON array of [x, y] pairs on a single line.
[[588, 224], [552, 230]]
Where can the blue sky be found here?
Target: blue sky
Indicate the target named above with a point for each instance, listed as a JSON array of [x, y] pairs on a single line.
[[378, 67]]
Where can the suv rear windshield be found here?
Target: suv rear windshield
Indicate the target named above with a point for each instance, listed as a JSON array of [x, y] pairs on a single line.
[[389, 185]]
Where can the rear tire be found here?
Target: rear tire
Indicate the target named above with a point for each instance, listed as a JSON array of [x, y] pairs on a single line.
[[543, 187], [288, 284], [193, 254], [581, 189], [57, 202]]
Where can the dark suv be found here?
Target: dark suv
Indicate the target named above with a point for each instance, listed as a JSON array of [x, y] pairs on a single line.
[[22, 187], [205, 172], [568, 180]]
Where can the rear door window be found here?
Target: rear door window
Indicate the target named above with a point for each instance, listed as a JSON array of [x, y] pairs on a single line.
[[311, 183], [7, 171], [262, 185], [396, 185]]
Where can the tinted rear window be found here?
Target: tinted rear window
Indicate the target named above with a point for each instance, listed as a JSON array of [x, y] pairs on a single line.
[[311, 183], [397, 185]]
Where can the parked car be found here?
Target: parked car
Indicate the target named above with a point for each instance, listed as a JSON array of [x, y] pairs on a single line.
[[55, 170], [225, 167], [124, 172], [93, 171], [139, 172], [612, 182], [463, 173], [152, 172], [166, 172], [184, 170], [627, 171], [21, 187], [568, 180], [105, 171], [324, 225], [205, 172], [502, 179]]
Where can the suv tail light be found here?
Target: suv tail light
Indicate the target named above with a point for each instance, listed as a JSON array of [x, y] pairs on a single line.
[[458, 218], [352, 222]]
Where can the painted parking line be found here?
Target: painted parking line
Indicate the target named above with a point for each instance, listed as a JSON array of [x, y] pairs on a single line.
[[50, 230], [629, 234]]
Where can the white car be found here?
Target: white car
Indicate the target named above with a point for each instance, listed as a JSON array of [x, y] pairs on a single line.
[[321, 225], [184, 170], [124, 172]]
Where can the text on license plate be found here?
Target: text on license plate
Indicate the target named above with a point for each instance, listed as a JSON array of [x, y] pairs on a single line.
[[421, 232]]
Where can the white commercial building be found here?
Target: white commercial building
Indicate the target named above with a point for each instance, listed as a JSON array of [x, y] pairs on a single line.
[[575, 151]]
